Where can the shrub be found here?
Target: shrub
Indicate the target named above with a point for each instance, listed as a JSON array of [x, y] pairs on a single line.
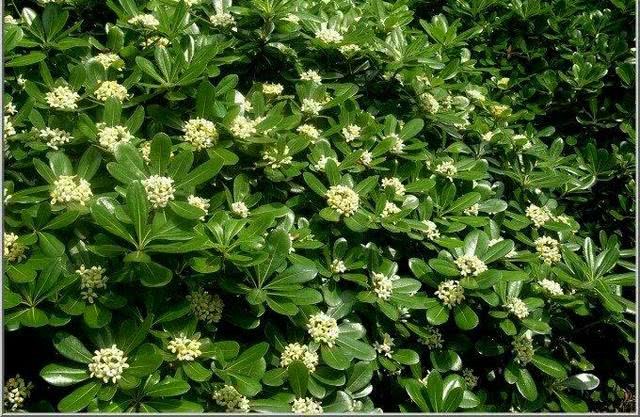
[[289, 205]]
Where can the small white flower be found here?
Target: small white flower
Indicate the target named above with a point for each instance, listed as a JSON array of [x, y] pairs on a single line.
[[323, 329], [240, 209], [311, 75], [548, 249], [390, 209], [517, 307], [223, 20], [470, 265], [475, 94], [297, 352], [71, 189], [382, 285], [349, 49], [386, 347], [432, 339], [538, 215], [200, 133], [107, 60], [231, 399], [351, 132], [486, 137], [366, 158], [329, 36], [272, 90], [108, 364], [310, 131], [429, 103], [551, 287], [343, 199], [322, 162], [145, 20], [111, 89], [186, 349], [276, 158], [311, 106], [306, 406], [205, 306], [10, 20], [338, 266], [447, 169], [10, 108], [12, 250], [54, 137], [159, 190], [432, 231], [450, 292], [7, 128], [91, 279], [15, 392], [110, 137], [395, 183], [199, 202], [244, 128], [155, 40], [63, 98], [472, 210]]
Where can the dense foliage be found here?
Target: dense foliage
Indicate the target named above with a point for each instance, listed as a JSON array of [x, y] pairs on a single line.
[[307, 206]]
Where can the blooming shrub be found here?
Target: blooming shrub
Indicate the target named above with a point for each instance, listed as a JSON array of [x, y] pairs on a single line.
[[319, 206]]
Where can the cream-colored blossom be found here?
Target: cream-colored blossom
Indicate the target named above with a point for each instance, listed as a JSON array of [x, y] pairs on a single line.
[[351, 132], [432, 231], [306, 405], [297, 352], [276, 157], [447, 169], [329, 36], [517, 307], [145, 20], [386, 346], [159, 190], [311, 106], [396, 184], [109, 89], [223, 20], [538, 215], [349, 49], [110, 137], [343, 199], [272, 90], [15, 392], [432, 338], [231, 399], [366, 158], [244, 128], [472, 210], [240, 209], [108, 364], [54, 138], [338, 266], [185, 349], [390, 209], [311, 75], [91, 279], [323, 328], [548, 249], [62, 98], [429, 103], [200, 133], [70, 189], [199, 202], [12, 250], [107, 59], [470, 265], [382, 285], [551, 287], [310, 131], [450, 293]]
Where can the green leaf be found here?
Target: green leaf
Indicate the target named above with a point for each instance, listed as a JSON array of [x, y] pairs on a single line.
[[549, 366], [355, 348], [438, 314], [138, 208], [582, 382], [465, 317], [526, 385], [196, 371], [202, 173], [334, 358], [298, 376], [359, 377], [71, 348], [63, 376], [80, 398], [153, 275], [168, 387]]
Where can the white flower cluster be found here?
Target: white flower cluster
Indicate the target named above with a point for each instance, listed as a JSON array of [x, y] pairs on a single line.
[[146, 20], [338, 266], [71, 189], [395, 183], [111, 89], [199, 202], [432, 339], [429, 103], [15, 392], [200, 133], [276, 158], [108, 364], [54, 137], [244, 128], [548, 249], [91, 279], [297, 352], [311, 75], [272, 90], [351, 132], [382, 285], [386, 347], [472, 210], [329, 36], [185, 349], [538, 215], [469, 378], [450, 292], [343, 199], [323, 328], [389, 209], [231, 399], [551, 287], [155, 40], [145, 151], [12, 250], [63, 98], [322, 162], [222, 20], [432, 231], [7, 127], [398, 144], [306, 406], [310, 131], [517, 307], [366, 158], [523, 348], [205, 306], [475, 94], [107, 60], [159, 190], [470, 265], [240, 209], [311, 106], [447, 169], [486, 137], [109, 137], [10, 20]]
